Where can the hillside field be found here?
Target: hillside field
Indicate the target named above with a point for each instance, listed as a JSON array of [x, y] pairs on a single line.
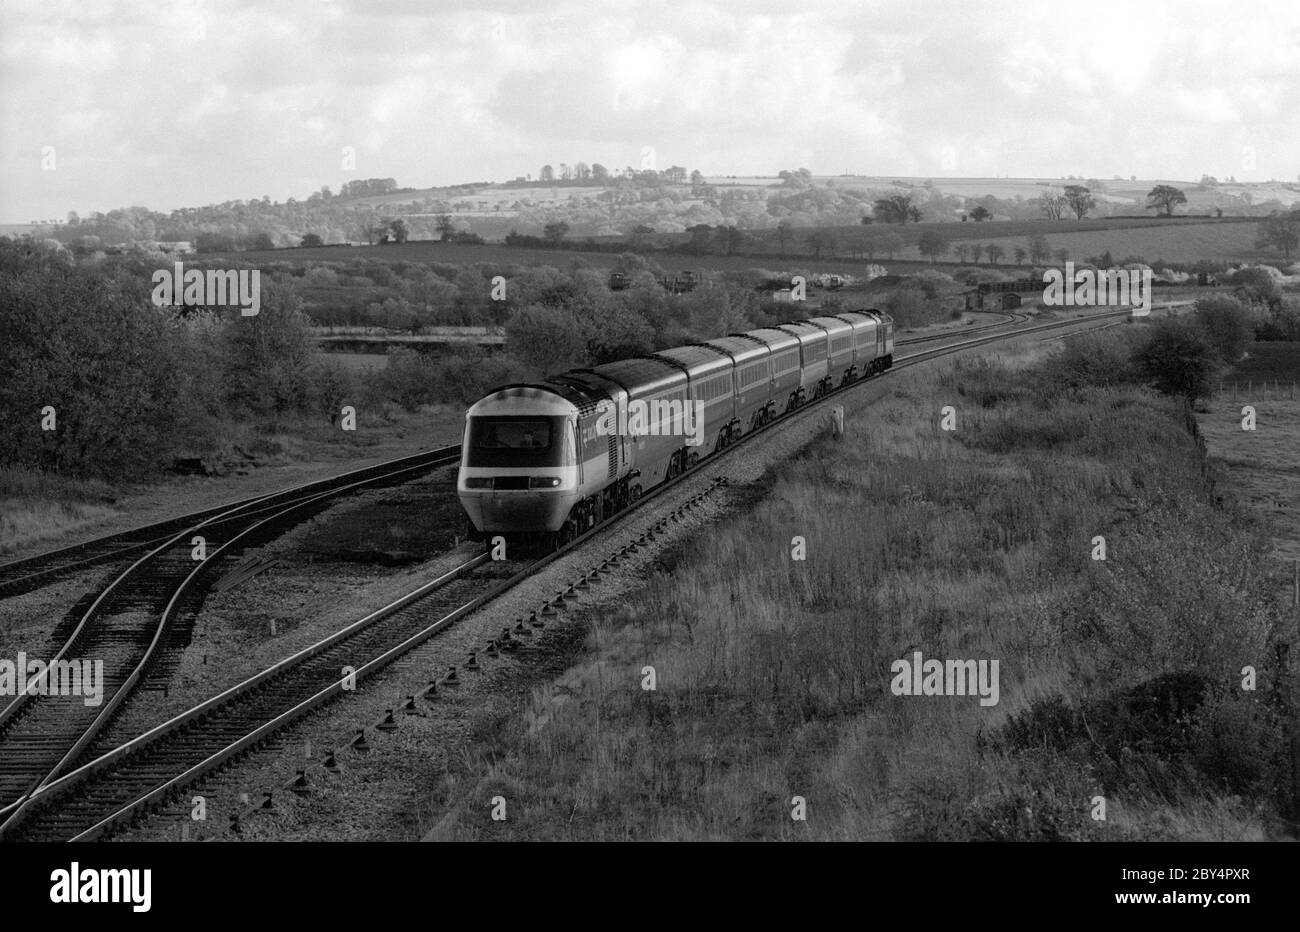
[[1178, 242]]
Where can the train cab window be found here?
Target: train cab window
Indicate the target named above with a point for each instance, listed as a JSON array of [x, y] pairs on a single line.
[[530, 434], [514, 441]]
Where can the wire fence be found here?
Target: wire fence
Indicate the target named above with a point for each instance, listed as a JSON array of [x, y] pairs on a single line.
[[1259, 389]]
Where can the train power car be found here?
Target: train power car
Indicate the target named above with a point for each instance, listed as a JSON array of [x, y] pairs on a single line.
[[553, 458]]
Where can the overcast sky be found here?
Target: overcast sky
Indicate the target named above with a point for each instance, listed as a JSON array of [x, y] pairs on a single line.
[[169, 105]]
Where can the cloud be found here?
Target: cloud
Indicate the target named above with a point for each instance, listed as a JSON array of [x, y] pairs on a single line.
[[200, 102]]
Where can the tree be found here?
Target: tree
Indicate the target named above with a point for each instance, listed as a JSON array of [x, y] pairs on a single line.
[[269, 356], [800, 178], [1165, 197], [1079, 199], [697, 178], [731, 238], [99, 351], [399, 229], [980, 214], [582, 171], [599, 173], [1052, 206], [933, 244], [639, 236], [995, 252], [897, 208], [1039, 250], [1021, 255], [889, 242], [555, 231], [976, 250], [784, 230], [701, 233], [1224, 321], [1256, 286], [1062, 255], [312, 239], [546, 339], [445, 226], [1177, 359], [548, 174], [819, 240], [1280, 231], [962, 250]]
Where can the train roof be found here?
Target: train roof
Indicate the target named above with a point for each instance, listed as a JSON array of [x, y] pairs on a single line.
[[641, 375], [803, 330], [859, 318], [697, 360], [535, 398], [774, 338], [740, 347], [585, 393], [832, 324]]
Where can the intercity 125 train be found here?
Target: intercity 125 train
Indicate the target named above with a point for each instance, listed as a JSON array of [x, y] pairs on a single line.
[[557, 457]]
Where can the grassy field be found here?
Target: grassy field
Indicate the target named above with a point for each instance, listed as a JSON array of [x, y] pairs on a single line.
[[1263, 464], [1277, 360], [1179, 240], [504, 256], [1176, 242], [1118, 678]]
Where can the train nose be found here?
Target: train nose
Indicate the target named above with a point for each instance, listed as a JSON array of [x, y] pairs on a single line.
[[517, 512]]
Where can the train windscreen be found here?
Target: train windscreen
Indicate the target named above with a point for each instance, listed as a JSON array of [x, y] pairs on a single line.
[[515, 441]]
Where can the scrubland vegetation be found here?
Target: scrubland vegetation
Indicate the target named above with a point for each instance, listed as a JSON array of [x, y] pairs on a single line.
[[1120, 679]]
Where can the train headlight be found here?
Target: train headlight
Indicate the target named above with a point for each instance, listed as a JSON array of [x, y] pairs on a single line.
[[544, 482], [478, 482]]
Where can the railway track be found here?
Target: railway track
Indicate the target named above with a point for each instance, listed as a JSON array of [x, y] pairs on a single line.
[[127, 631], [30, 573], [966, 331], [125, 782]]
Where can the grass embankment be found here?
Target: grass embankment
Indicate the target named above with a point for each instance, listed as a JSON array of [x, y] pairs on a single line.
[[1118, 679]]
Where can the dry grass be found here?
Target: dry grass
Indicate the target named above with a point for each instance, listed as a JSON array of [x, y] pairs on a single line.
[[1262, 464], [774, 674], [38, 507]]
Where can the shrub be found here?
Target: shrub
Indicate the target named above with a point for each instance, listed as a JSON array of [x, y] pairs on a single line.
[[1092, 359], [96, 350], [1225, 324], [910, 308], [546, 339], [1178, 359]]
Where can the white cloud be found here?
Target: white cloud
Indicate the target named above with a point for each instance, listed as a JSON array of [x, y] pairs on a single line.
[[230, 100]]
